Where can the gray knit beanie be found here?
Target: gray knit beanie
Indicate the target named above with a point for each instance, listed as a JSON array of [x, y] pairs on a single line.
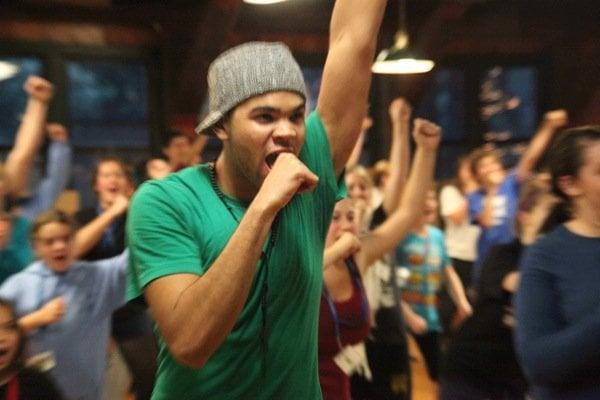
[[249, 70]]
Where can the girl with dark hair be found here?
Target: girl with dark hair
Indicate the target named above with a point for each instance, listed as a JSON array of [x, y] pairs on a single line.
[[558, 302], [17, 382]]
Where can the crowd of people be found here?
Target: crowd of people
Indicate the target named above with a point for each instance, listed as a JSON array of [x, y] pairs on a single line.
[[286, 270]]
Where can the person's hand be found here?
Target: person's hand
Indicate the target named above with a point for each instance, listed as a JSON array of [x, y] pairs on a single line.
[[360, 211], [157, 168], [417, 324], [57, 132], [53, 311], [427, 135], [463, 312], [556, 119], [38, 88], [400, 111], [288, 176], [119, 206], [349, 244]]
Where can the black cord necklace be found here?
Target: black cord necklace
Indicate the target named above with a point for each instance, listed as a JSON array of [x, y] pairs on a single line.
[[264, 256]]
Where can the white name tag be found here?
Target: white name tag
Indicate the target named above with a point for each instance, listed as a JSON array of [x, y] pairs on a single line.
[[353, 359], [42, 362]]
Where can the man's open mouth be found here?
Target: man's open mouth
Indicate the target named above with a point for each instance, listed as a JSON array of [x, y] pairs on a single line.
[[271, 158]]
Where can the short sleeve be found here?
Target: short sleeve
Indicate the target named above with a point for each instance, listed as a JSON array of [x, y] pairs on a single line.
[[159, 239], [111, 274], [9, 289], [439, 236]]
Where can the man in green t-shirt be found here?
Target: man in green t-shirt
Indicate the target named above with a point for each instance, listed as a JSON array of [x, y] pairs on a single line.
[[229, 255]]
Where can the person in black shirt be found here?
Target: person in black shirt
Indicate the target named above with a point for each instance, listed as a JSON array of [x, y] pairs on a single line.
[[101, 236]]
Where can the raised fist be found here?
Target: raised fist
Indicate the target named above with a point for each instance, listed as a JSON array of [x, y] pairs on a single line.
[[556, 118], [38, 88], [427, 134], [349, 244], [119, 205], [400, 110], [57, 132]]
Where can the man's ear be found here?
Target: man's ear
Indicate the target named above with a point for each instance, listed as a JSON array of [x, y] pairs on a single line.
[[569, 186], [221, 130]]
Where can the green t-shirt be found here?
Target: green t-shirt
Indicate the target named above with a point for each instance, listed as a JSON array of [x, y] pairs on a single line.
[[179, 225]]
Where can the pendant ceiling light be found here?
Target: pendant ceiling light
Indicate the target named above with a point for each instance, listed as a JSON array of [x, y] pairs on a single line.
[[398, 59], [7, 70]]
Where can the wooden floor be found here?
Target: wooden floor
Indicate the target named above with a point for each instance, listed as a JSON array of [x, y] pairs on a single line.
[[423, 388]]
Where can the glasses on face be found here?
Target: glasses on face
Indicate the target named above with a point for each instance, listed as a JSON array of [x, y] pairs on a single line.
[[49, 241]]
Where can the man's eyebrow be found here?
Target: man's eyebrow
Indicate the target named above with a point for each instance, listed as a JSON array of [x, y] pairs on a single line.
[[269, 109]]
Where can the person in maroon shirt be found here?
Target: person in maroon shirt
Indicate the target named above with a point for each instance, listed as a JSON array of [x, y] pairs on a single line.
[[344, 316]]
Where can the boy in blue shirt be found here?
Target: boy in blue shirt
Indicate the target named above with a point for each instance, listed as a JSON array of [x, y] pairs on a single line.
[[65, 306]]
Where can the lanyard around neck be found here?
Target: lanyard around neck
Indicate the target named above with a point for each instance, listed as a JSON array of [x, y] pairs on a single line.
[[264, 256], [364, 305]]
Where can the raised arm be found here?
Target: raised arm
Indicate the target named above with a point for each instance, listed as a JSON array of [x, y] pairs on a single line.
[[196, 313], [400, 112], [58, 171], [358, 146], [29, 136], [552, 122], [386, 236], [90, 234], [342, 102]]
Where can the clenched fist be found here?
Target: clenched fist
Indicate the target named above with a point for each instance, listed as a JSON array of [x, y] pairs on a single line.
[[556, 119], [38, 88], [427, 135], [400, 110], [54, 310], [288, 176], [57, 132]]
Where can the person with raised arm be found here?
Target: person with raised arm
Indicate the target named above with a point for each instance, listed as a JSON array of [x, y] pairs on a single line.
[[344, 317], [229, 255]]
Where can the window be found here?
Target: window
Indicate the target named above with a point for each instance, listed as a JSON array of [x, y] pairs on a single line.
[[444, 103], [12, 96], [108, 104]]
